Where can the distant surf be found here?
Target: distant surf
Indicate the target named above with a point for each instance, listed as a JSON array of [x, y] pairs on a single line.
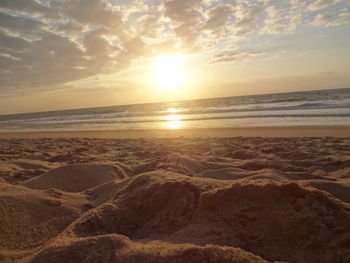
[[310, 108]]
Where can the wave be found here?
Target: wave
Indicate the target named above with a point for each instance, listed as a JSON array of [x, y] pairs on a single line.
[[306, 105], [251, 108], [203, 118], [197, 111]]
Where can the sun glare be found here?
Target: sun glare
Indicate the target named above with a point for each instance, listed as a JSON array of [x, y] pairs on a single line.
[[173, 125], [169, 72], [173, 121], [172, 110]]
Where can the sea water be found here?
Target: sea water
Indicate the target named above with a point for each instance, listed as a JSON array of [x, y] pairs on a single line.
[[310, 108]]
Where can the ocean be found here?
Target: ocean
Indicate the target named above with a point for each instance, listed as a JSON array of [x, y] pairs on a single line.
[[309, 108]]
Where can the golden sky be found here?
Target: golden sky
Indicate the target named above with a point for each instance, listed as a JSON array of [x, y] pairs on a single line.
[[88, 53]]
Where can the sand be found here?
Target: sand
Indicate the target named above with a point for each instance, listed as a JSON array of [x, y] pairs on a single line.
[[239, 199]]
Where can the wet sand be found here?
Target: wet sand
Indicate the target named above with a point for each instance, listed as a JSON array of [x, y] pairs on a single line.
[[169, 133], [250, 199]]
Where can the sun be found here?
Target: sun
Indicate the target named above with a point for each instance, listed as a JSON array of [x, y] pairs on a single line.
[[169, 72]]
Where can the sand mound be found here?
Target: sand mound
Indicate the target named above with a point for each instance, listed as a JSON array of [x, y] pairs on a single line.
[[105, 192], [244, 154], [31, 217], [77, 156], [21, 169], [77, 177], [270, 174], [341, 173], [228, 173], [278, 221], [140, 199], [190, 200], [259, 164], [182, 164], [32, 164], [117, 248], [338, 190]]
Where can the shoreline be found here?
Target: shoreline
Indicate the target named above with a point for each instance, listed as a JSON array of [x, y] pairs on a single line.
[[340, 132]]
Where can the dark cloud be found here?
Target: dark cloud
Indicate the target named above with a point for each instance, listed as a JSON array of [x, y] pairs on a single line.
[[218, 17], [96, 44], [186, 16], [63, 51], [97, 12], [71, 27], [183, 11], [48, 61], [29, 6], [11, 44], [20, 24]]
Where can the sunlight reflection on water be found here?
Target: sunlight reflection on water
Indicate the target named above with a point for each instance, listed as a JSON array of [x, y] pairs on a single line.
[[173, 121], [173, 124]]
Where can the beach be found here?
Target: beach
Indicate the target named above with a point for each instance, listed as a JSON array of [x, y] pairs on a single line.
[[174, 131], [198, 195]]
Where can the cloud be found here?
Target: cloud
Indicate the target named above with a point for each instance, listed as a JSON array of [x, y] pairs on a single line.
[[96, 44], [321, 4], [247, 19], [48, 61], [273, 21], [151, 25], [235, 56], [20, 24], [45, 44], [342, 19], [11, 44], [323, 19], [81, 39], [97, 12], [294, 22], [218, 17], [29, 6], [332, 19], [71, 27], [280, 21], [185, 16]]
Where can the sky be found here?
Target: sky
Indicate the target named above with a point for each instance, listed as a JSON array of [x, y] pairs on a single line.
[[64, 54]]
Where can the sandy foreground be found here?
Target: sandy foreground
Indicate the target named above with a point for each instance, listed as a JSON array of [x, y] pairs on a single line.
[[175, 199]]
